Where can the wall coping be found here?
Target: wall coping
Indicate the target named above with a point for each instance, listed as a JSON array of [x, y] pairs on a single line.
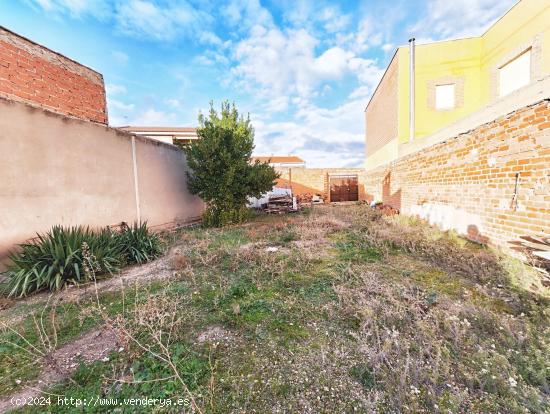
[[412, 154], [48, 112]]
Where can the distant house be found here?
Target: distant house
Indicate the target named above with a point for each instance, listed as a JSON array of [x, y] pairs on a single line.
[[170, 135], [289, 161]]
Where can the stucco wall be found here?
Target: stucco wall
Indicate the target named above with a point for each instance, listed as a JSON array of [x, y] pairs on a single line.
[[60, 170]]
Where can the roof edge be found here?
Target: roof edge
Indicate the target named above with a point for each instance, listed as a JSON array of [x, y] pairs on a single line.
[[381, 79]]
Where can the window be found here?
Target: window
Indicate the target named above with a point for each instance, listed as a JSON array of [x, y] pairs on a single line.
[[445, 96], [515, 74]]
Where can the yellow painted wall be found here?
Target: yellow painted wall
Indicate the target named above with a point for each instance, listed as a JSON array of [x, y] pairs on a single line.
[[437, 61], [388, 152], [512, 34], [474, 59]]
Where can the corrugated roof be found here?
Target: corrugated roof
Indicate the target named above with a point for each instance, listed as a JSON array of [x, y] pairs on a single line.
[[279, 159]]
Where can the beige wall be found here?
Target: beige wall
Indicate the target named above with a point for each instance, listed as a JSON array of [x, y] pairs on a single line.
[[59, 170], [316, 180], [381, 119]]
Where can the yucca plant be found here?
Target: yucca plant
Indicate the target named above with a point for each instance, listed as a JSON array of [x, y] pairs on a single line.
[[139, 244], [54, 259]]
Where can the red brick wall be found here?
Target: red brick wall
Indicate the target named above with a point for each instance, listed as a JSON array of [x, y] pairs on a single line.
[[468, 182], [36, 75]]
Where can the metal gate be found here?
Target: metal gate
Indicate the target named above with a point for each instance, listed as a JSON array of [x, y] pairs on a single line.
[[344, 188]]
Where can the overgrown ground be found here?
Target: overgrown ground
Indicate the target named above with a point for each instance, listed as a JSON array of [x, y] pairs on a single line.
[[333, 310]]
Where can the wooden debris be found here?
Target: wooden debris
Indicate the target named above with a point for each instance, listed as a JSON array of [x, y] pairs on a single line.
[[279, 204], [309, 198]]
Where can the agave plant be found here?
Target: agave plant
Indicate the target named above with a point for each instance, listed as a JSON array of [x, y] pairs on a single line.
[[54, 259], [139, 244]]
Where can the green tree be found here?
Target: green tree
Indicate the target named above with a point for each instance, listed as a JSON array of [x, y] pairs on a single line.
[[221, 171]]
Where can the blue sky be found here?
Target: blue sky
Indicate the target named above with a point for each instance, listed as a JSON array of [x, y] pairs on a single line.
[[304, 70]]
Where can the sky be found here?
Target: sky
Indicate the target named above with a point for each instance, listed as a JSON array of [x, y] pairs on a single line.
[[303, 70]]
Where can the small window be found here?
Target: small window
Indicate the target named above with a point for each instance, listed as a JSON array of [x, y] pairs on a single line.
[[445, 96], [515, 74]]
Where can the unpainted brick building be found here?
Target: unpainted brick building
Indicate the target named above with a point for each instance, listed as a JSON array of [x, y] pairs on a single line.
[[38, 76]]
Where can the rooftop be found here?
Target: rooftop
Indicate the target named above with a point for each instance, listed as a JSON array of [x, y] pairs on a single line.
[[133, 128], [279, 159]]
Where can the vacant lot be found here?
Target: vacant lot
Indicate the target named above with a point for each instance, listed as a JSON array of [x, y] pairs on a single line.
[[333, 310]]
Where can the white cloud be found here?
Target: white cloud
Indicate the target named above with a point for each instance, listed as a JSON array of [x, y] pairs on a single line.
[[174, 103], [114, 89], [288, 67], [246, 13], [388, 47], [278, 63], [323, 137], [155, 117], [333, 19], [149, 19], [120, 106], [120, 57], [450, 19], [147, 117], [143, 18], [76, 8]]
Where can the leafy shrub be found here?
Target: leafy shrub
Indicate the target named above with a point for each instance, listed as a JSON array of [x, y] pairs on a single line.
[[221, 171], [66, 255], [139, 244], [54, 259]]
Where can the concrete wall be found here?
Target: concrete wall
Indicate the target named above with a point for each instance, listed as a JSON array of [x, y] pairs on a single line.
[[467, 183], [39, 76], [60, 170]]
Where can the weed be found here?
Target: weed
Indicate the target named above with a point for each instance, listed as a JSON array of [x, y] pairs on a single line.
[[358, 312]]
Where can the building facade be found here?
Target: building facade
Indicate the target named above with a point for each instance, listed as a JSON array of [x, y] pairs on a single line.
[[168, 135], [289, 161], [452, 80]]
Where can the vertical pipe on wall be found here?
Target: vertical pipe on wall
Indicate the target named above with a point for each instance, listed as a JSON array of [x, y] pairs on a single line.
[[411, 88], [136, 186]]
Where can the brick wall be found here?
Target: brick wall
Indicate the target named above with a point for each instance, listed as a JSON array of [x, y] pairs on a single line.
[[468, 182], [38, 76], [316, 180], [381, 114]]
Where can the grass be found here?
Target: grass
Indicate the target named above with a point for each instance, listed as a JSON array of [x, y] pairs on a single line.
[[352, 312]]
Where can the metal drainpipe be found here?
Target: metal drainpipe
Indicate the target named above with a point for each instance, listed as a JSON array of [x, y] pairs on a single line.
[[411, 88]]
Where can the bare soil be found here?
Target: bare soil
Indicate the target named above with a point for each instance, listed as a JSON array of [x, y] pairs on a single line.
[[94, 345]]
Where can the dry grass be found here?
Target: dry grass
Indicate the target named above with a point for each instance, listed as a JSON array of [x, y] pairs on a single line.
[[334, 310]]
